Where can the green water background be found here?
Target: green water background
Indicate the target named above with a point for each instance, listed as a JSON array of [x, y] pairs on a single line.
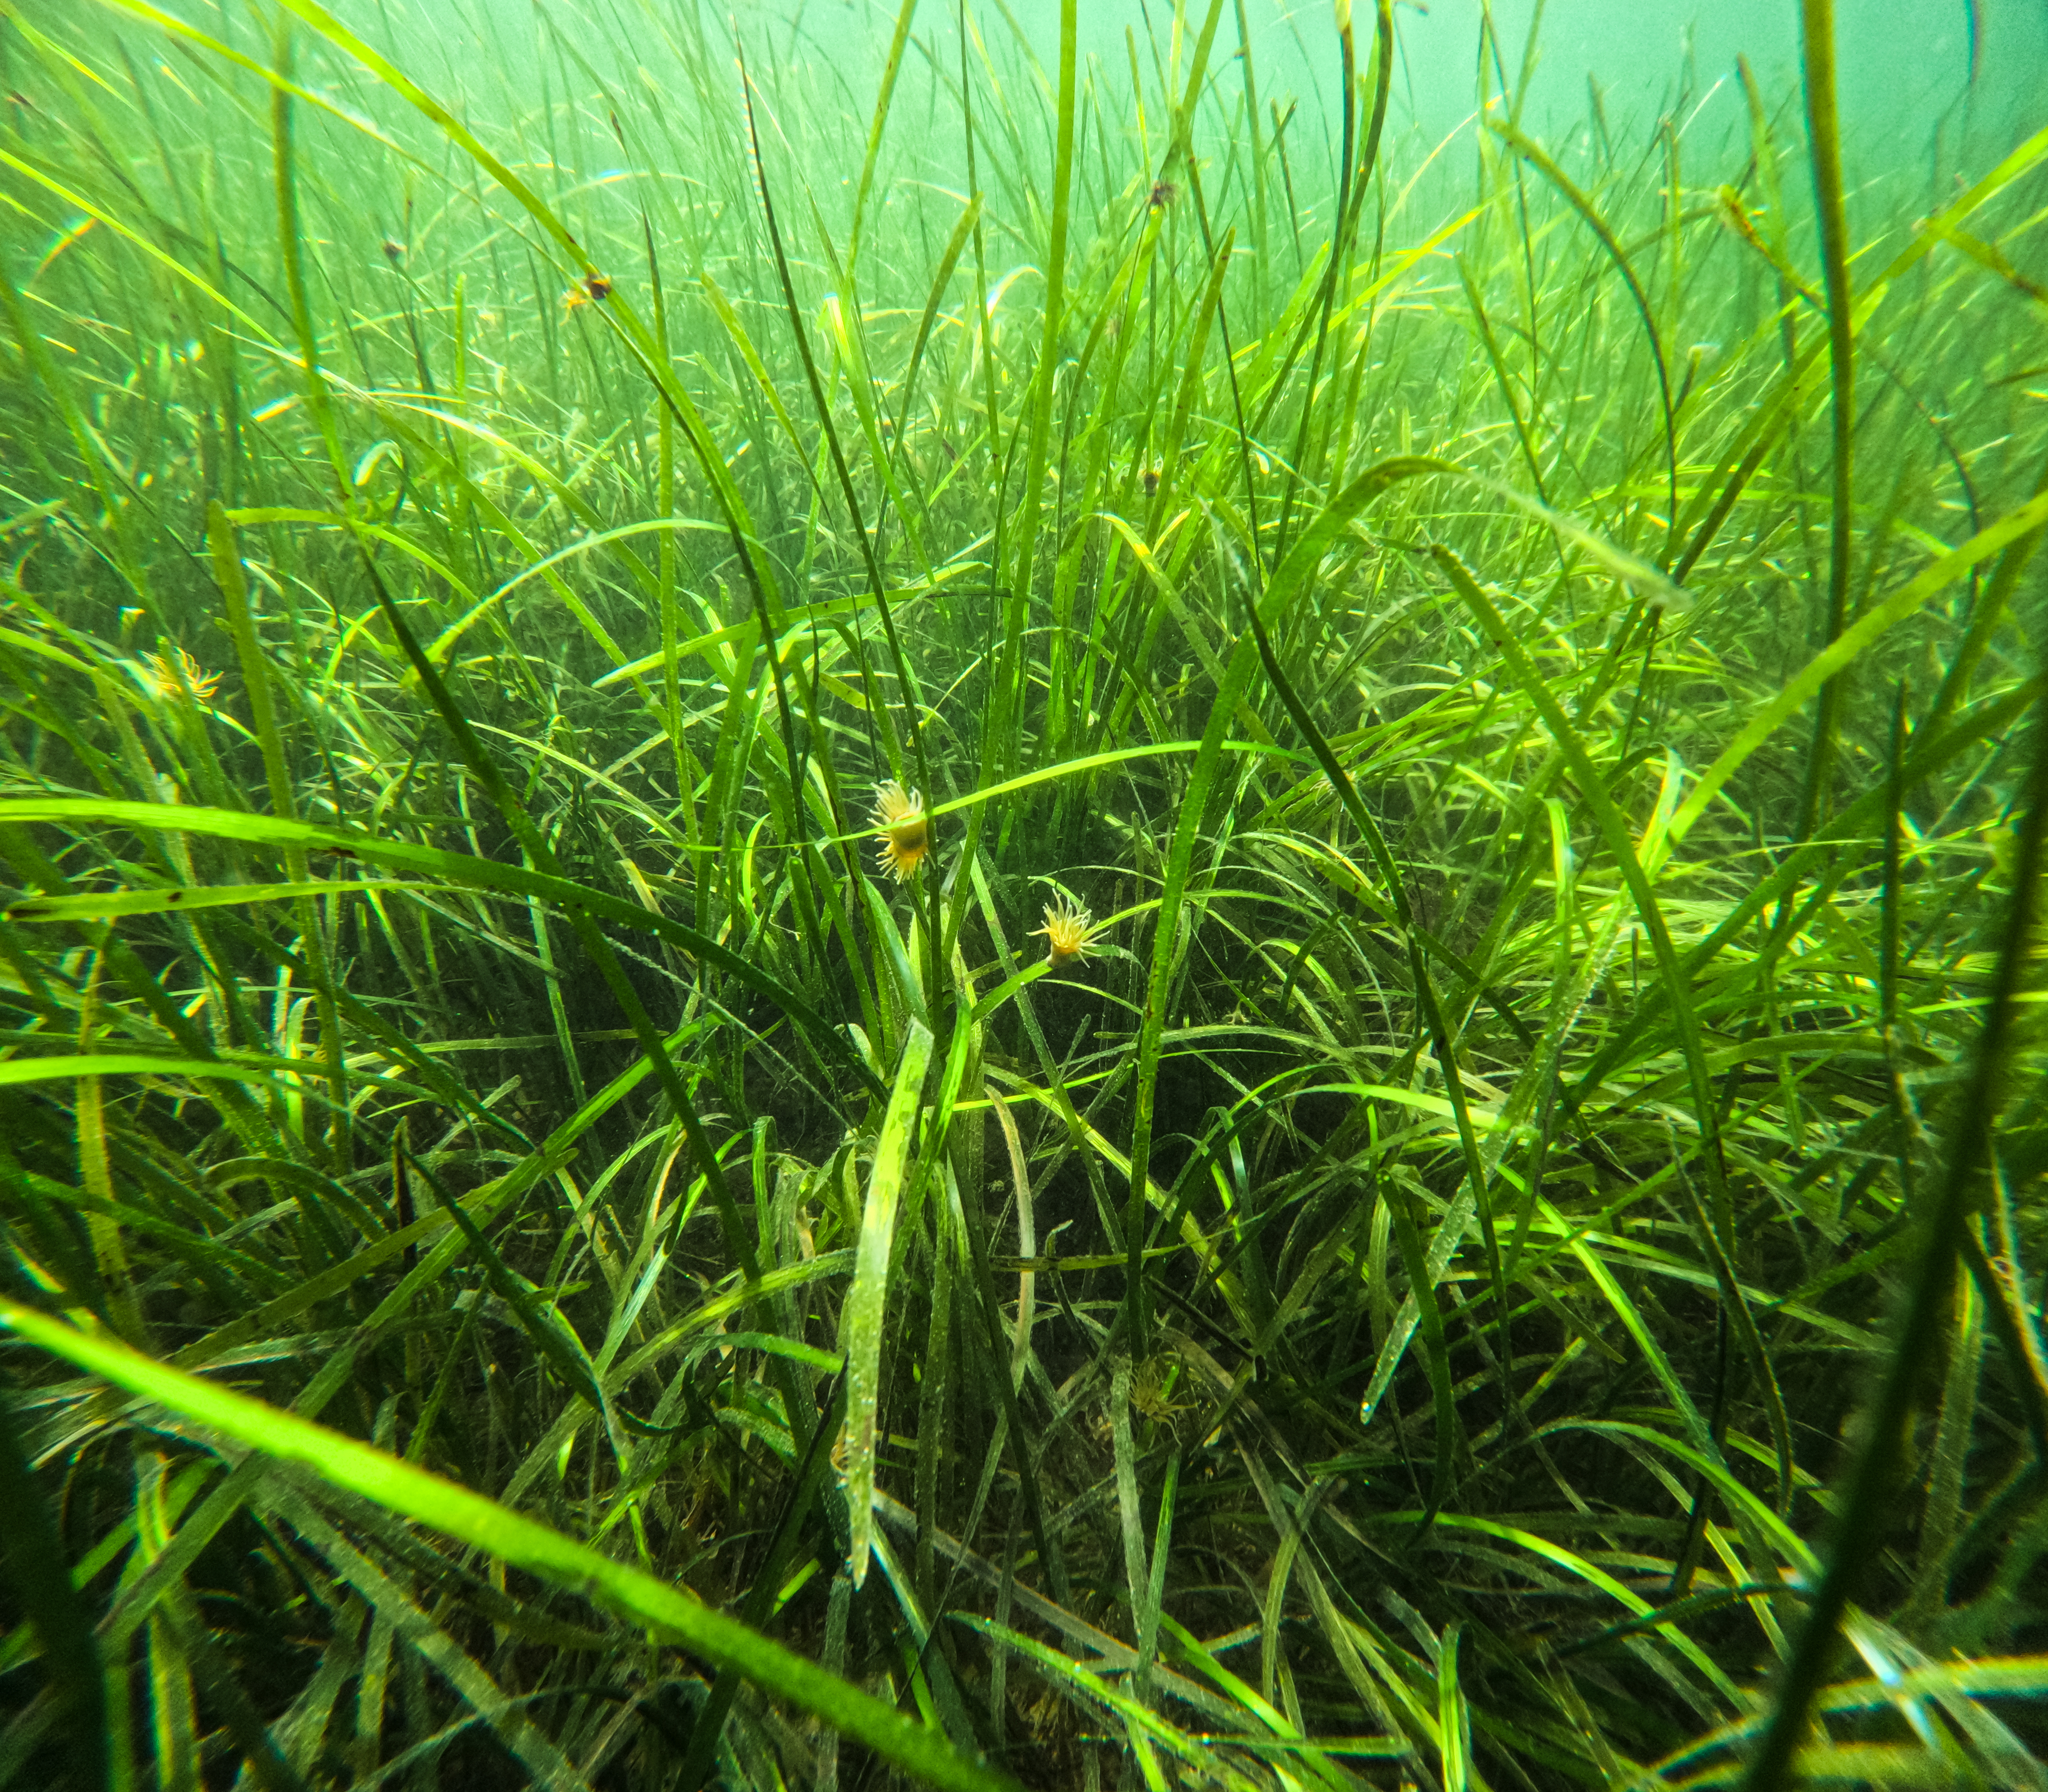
[[1931, 93]]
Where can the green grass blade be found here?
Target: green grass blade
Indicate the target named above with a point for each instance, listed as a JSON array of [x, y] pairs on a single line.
[[514, 1539], [868, 1300], [1882, 1456]]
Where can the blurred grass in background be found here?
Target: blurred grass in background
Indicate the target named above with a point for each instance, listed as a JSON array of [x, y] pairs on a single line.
[[1491, 1246]]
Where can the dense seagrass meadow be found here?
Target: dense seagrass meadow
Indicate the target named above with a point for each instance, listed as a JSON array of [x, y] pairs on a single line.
[[956, 917]]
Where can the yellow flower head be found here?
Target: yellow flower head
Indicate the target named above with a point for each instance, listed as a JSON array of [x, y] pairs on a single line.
[[203, 683], [1069, 933], [594, 290], [903, 829]]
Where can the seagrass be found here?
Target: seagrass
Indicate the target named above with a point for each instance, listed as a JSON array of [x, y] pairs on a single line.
[[885, 906]]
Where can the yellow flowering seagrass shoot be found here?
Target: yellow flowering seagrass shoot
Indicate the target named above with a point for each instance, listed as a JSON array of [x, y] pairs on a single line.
[[202, 683], [903, 829], [1069, 933]]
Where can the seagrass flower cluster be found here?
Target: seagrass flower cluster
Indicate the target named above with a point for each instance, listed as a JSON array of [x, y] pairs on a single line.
[[903, 829], [201, 683], [1069, 931], [905, 833]]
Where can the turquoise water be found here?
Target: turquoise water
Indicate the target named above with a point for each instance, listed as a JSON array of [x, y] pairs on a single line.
[[1971, 70], [1927, 91]]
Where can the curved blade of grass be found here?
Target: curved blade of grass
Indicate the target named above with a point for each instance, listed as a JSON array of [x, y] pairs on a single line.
[[466, 869], [1532, 152], [107, 905], [1885, 1451], [1290, 579], [541, 1756], [868, 1299], [942, 277], [876, 584], [1990, 721], [618, 310], [1423, 1275], [1614, 829], [482, 1204], [17, 1071], [699, 1756], [38, 1573], [1817, 43], [515, 1540], [890, 69], [1847, 646], [1010, 671]]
